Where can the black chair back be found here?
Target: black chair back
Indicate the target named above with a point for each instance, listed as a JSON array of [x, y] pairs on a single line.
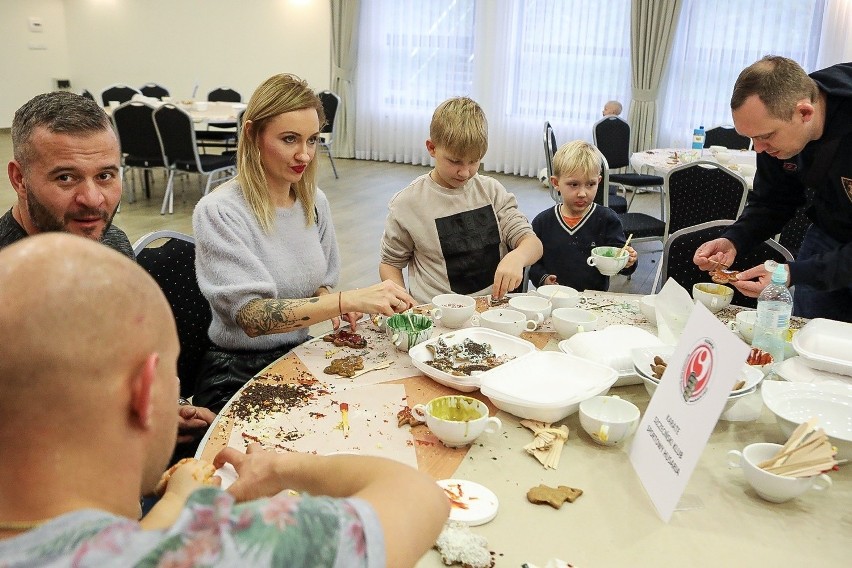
[[137, 134], [154, 90], [680, 248], [330, 102], [727, 137], [702, 191], [225, 95], [550, 148], [86, 93], [177, 136], [172, 265], [120, 93], [612, 137]]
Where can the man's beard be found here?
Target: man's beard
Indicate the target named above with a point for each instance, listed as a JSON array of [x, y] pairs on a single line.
[[45, 221]]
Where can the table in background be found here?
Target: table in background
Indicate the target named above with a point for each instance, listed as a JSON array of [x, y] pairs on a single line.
[[722, 522], [661, 161]]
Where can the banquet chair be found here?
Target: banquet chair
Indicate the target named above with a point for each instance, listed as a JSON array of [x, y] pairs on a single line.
[[614, 201], [793, 233], [612, 137], [180, 152], [330, 104], [680, 248], [727, 137], [642, 226], [88, 94], [154, 90], [140, 147], [120, 93], [224, 95], [172, 265]]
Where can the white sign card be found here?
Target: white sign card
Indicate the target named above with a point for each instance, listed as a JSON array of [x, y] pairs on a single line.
[[685, 408]]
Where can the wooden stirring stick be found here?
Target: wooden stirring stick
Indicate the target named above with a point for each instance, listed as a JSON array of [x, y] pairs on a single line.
[[624, 248], [384, 365]]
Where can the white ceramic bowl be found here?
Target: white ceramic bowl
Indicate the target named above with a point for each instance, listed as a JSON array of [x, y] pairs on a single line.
[[794, 403], [609, 420], [559, 296], [501, 344], [545, 385]]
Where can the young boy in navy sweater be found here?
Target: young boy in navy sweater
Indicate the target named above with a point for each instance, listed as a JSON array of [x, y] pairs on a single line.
[[570, 230]]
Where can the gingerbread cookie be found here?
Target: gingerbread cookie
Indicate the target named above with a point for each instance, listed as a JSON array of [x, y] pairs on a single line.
[[345, 366], [405, 416], [343, 338], [553, 496]]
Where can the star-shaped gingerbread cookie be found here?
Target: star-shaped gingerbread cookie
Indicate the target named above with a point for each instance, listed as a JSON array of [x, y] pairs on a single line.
[[553, 496]]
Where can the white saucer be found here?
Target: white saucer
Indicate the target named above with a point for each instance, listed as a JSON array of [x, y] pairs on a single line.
[[471, 503]]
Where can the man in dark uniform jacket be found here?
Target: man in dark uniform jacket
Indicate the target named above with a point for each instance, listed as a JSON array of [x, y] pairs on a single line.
[[802, 130]]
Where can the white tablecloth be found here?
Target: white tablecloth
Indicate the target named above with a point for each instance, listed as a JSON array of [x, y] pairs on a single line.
[[662, 160]]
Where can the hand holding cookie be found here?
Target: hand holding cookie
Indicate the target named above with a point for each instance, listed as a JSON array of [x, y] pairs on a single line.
[[186, 476]]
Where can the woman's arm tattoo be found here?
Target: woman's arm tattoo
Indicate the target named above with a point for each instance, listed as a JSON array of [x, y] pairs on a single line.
[[266, 316]]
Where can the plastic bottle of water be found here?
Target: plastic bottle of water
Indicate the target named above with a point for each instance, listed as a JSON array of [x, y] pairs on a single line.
[[698, 137], [774, 306]]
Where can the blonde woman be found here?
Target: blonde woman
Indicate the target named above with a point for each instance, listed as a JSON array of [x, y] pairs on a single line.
[[266, 253]]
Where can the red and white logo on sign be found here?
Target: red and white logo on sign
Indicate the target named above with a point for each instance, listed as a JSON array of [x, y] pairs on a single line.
[[695, 376]]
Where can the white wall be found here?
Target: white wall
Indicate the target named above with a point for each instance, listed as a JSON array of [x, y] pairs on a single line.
[[176, 43], [25, 72]]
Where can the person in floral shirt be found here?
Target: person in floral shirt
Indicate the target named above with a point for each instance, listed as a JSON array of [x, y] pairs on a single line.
[[88, 346]]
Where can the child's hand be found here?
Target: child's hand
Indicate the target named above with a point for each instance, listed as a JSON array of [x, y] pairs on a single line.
[[633, 256], [185, 477], [550, 279], [509, 274]]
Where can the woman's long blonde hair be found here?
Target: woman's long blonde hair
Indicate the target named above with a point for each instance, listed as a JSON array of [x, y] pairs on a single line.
[[277, 95]]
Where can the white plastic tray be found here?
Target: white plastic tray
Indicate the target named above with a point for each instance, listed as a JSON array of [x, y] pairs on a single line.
[[546, 385], [501, 344], [826, 345], [611, 346]]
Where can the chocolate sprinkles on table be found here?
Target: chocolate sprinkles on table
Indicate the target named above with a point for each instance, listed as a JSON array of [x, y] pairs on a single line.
[[258, 399]]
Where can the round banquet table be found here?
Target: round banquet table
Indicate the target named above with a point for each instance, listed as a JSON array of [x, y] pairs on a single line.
[[720, 521]]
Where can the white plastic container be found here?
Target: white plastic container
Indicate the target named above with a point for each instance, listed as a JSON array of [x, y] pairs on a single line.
[[613, 347], [501, 344], [546, 385], [825, 345]]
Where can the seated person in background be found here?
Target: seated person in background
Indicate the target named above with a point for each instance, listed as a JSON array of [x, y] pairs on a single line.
[[266, 253], [70, 495], [612, 108], [456, 230], [570, 230]]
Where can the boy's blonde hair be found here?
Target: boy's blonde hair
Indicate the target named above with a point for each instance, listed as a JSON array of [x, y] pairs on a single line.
[[459, 126], [577, 157], [277, 95]]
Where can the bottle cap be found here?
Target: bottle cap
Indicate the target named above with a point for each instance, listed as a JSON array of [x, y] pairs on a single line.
[[779, 275]]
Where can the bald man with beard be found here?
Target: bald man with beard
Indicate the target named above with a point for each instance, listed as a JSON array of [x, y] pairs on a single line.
[[89, 346]]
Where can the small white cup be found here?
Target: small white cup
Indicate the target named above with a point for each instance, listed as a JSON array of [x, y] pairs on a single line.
[[512, 322], [559, 296], [724, 157], [648, 307], [457, 420], [604, 259], [609, 420], [535, 308], [714, 296], [569, 321], [744, 323], [716, 149], [774, 488], [452, 310]]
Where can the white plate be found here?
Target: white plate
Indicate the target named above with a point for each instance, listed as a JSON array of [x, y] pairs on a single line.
[[501, 344], [796, 370], [546, 385], [794, 403], [825, 345], [471, 503]]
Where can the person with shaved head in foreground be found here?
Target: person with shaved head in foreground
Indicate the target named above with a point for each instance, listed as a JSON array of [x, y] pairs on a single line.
[[88, 345]]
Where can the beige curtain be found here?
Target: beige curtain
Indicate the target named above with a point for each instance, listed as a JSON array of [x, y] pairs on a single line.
[[344, 56], [652, 28]]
